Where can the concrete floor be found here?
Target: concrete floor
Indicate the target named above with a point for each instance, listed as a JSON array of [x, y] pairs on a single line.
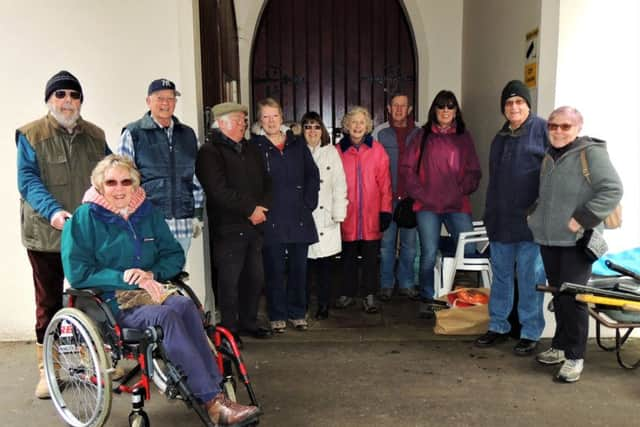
[[379, 370]]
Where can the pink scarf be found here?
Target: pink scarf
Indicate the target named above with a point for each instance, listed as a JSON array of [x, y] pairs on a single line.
[[93, 196]]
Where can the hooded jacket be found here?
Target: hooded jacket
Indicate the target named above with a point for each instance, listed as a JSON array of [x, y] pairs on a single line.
[[366, 168], [566, 193]]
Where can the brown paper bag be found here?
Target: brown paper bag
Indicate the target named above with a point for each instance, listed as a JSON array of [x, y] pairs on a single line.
[[463, 320]]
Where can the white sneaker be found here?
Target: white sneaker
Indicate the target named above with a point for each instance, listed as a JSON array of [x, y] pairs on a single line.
[[551, 356], [571, 370]]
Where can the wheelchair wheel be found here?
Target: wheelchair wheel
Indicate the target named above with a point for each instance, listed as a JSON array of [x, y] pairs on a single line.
[[76, 369]]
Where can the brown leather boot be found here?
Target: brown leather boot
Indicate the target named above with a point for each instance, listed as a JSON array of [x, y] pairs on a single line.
[[224, 412]]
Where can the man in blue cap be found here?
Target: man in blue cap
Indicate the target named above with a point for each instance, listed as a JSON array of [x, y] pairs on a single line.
[[164, 151]]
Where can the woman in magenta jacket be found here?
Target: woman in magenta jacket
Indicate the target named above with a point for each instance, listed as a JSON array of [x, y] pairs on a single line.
[[440, 180], [366, 167]]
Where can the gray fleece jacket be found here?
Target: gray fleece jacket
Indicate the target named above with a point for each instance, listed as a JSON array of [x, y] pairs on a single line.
[[565, 193]]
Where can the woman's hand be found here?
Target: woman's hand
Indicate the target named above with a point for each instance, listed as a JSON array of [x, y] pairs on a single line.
[[134, 276], [155, 289], [574, 225]]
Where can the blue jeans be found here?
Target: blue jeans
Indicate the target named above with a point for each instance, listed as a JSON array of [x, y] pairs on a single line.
[[286, 285], [185, 341], [405, 273], [523, 258], [429, 224]]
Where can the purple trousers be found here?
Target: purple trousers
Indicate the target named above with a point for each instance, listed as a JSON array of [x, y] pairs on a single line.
[[185, 341]]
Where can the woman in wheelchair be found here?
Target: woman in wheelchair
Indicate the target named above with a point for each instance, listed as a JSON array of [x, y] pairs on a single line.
[[118, 242]]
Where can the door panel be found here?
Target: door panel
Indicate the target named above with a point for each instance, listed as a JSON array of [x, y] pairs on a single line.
[[331, 55]]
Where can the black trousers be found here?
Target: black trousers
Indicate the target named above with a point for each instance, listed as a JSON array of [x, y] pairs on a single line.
[[48, 279], [368, 250], [238, 261], [320, 269], [568, 264]]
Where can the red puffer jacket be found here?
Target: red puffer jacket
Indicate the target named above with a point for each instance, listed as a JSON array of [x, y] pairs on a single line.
[[368, 188]]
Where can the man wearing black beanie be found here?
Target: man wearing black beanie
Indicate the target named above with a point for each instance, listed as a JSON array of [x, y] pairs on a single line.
[[514, 168], [52, 178]]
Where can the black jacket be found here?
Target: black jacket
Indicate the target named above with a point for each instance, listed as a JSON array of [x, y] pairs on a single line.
[[234, 180]]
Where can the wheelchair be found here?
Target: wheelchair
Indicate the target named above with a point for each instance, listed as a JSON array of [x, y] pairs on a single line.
[[83, 344]]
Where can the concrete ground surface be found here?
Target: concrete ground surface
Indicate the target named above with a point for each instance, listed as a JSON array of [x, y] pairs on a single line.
[[387, 369]]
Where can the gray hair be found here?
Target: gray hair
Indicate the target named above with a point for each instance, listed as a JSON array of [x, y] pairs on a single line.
[[573, 113]]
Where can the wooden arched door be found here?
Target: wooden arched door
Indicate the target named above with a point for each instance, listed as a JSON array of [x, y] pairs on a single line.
[[330, 55]]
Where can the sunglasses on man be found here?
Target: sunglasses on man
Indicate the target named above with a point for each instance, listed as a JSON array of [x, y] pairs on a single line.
[[61, 94]]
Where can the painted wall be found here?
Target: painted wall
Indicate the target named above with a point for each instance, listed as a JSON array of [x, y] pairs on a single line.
[[437, 27], [115, 49]]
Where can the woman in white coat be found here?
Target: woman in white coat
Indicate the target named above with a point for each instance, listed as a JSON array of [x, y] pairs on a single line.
[[331, 210]]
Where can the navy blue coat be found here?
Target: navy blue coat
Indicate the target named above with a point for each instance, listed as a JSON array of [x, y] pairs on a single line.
[[295, 186], [514, 177]]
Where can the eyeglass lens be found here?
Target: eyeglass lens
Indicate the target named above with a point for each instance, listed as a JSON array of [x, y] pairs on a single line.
[[61, 94], [449, 106], [563, 126], [113, 182]]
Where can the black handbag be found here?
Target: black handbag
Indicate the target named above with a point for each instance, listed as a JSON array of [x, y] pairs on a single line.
[[403, 214]]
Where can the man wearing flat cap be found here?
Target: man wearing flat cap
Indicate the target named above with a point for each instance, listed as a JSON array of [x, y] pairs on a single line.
[[514, 174], [164, 151], [238, 190], [56, 155]]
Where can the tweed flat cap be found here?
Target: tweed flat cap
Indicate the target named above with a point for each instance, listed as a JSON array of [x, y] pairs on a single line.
[[226, 108]]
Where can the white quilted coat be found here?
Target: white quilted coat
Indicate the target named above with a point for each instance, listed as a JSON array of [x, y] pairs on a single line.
[[332, 202]]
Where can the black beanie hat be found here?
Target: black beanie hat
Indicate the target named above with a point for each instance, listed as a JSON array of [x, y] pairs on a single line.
[[62, 80], [515, 88]]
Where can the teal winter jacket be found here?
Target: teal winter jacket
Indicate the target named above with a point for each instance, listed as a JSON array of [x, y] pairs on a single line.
[[98, 246]]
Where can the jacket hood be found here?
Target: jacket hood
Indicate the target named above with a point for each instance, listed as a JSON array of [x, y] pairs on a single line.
[[345, 142], [93, 196]]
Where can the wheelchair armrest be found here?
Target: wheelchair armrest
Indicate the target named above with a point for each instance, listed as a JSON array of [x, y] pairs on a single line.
[[85, 292]]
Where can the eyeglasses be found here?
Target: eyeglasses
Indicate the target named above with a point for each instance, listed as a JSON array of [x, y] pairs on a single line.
[[315, 127], [61, 94], [127, 182], [449, 106], [163, 99], [511, 102], [562, 126]]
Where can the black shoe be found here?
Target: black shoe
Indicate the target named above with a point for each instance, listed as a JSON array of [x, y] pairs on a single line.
[[322, 313], [490, 338], [259, 333], [525, 347]]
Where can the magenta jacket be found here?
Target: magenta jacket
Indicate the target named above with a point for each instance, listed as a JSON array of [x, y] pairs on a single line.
[[368, 188], [449, 171]]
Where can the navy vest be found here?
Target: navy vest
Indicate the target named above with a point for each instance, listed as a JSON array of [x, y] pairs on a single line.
[[167, 167]]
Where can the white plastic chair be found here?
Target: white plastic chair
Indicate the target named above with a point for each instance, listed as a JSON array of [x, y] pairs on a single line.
[[447, 266]]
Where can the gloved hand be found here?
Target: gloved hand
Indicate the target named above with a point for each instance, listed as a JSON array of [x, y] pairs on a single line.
[[385, 220], [198, 225]]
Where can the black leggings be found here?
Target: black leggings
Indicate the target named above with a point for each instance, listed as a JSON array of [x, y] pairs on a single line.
[[368, 250], [568, 264]]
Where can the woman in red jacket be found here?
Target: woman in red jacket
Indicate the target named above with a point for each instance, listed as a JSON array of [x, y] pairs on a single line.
[[366, 167], [440, 178]]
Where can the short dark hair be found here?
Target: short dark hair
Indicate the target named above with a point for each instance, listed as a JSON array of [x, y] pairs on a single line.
[[397, 94], [445, 97], [313, 117]]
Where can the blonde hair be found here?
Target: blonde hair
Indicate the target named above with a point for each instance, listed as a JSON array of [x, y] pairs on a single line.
[[110, 162], [357, 110], [269, 102]]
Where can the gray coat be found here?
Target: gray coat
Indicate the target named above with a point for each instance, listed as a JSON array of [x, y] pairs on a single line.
[[565, 193]]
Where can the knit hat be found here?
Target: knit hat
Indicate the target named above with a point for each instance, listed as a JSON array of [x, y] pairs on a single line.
[[62, 80], [515, 88], [226, 108]]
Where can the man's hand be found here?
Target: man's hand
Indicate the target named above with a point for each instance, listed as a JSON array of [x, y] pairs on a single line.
[[59, 218], [258, 216], [135, 276], [155, 289], [574, 225], [197, 228]]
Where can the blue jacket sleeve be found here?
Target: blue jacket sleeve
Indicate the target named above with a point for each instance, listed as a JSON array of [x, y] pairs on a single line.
[[30, 184], [170, 258]]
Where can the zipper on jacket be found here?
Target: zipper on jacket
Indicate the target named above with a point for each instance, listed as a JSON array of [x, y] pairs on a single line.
[[172, 176]]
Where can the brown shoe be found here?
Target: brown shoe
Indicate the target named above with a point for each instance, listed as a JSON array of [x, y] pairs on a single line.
[[224, 412]]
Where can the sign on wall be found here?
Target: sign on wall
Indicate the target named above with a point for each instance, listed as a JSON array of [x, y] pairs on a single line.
[[531, 59]]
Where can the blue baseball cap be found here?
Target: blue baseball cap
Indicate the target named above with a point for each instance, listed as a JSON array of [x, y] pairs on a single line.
[[162, 84]]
